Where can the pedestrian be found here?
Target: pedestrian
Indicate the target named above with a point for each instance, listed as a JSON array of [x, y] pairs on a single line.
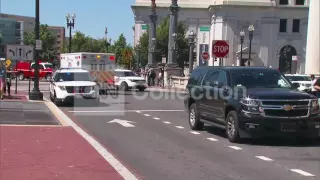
[[8, 82], [3, 74], [152, 76], [316, 87], [313, 81]]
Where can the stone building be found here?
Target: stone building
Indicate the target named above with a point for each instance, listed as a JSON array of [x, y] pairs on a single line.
[[279, 38]]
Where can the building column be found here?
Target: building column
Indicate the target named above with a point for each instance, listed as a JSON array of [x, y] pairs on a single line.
[[312, 49], [152, 35]]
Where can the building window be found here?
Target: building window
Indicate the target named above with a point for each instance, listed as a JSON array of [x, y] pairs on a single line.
[[283, 25], [283, 2], [300, 2], [296, 26]]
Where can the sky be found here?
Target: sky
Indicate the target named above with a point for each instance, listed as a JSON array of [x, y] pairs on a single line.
[[92, 16]]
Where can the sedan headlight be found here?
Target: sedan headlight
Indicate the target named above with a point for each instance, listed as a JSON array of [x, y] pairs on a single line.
[[62, 87], [314, 106], [251, 106]]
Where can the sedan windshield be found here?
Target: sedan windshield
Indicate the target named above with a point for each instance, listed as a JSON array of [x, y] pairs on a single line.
[[79, 76], [48, 66], [259, 79]]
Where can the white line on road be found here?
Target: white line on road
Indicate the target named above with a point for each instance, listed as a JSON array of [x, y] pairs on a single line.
[[147, 115], [114, 162], [299, 171], [138, 112], [156, 118], [212, 139], [179, 127], [194, 132], [235, 147], [167, 122], [264, 158], [116, 111]]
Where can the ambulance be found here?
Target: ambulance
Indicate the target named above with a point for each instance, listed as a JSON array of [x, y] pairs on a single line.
[[100, 65]]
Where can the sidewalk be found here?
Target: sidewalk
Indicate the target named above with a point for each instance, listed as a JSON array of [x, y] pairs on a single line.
[[48, 153], [36, 145]]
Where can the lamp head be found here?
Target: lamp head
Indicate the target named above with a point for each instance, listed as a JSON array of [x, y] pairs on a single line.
[[251, 28]]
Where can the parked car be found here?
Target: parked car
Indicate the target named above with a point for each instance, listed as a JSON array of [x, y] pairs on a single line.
[[303, 80], [250, 102]]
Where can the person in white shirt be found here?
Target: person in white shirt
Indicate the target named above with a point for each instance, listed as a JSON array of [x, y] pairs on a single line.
[[313, 81]]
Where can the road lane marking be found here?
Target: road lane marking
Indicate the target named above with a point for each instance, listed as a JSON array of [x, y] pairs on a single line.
[[179, 127], [212, 139], [167, 122], [264, 158], [111, 159], [156, 118], [194, 132], [138, 112], [299, 171], [147, 115], [235, 148], [115, 111]]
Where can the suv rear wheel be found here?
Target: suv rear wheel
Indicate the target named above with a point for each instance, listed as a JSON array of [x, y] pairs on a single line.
[[232, 129], [194, 118]]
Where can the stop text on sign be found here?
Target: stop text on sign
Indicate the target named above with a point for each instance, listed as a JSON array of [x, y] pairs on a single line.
[[221, 49]]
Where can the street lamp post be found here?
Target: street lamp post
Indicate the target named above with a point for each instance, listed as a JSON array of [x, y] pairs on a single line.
[[70, 25], [138, 55], [242, 34], [172, 57], [250, 29], [192, 36], [152, 35], [35, 94]]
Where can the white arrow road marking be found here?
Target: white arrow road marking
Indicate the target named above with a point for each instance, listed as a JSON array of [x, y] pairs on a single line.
[[123, 123], [299, 171], [235, 148], [264, 158], [212, 139]]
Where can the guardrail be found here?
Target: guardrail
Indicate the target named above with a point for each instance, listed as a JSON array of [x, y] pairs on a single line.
[[178, 82]]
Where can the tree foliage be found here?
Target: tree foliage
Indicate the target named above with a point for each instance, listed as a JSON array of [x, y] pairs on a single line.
[[82, 43], [162, 43], [49, 51]]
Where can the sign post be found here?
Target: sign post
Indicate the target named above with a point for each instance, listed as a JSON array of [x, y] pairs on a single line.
[[220, 49]]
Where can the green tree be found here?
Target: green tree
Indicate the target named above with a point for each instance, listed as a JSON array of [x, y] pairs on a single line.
[[162, 43], [49, 51], [82, 43], [127, 56], [119, 45]]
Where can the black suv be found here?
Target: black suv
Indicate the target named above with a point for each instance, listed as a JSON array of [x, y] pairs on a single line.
[[250, 102]]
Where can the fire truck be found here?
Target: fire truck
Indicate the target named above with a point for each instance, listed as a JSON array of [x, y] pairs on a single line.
[[100, 65]]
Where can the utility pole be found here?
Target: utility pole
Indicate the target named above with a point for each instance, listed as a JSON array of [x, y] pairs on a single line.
[[172, 45]]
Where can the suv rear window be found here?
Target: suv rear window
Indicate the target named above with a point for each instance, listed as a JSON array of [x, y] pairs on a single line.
[[299, 78], [124, 73], [196, 77]]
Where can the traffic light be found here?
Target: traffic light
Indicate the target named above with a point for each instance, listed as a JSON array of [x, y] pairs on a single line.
[[194, 56]]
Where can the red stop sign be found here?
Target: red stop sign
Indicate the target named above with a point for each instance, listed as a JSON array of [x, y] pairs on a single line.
[[220, 48], [205, 55]]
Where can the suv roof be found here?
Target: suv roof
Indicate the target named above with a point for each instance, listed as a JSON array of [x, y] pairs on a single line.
[[230, 68], [74, 70]]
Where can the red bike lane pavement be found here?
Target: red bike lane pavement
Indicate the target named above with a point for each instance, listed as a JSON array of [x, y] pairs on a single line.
[[47, 153]]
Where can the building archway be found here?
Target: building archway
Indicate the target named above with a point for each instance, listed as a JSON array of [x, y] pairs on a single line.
[[285, 59]]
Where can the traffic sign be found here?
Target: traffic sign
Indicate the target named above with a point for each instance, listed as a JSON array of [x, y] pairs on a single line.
[[19, 52], [205, 55], [38, 45], [220, 48]]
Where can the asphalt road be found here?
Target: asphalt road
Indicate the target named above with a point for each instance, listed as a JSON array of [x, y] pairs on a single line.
[[155, 141]]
